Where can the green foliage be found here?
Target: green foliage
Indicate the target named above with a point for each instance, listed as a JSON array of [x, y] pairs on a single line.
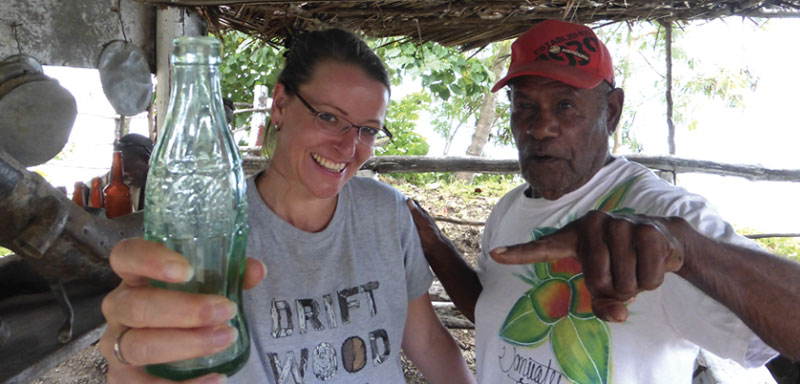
[[784, 246], [492, 179], [454, 85], [456, 81], [726, 85], [482, 185], [501, 128], [639, 50], [400, 120], [788, 247], [246, 62]]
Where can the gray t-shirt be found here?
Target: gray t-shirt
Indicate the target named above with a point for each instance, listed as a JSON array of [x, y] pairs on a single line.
[[333, 305]]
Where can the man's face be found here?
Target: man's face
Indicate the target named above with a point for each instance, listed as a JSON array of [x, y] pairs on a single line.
[[135, 167], [561, 132]]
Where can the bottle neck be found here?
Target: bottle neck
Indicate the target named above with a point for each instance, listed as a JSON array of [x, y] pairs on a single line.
[[96, 198], [198, 82], [77, 194], [116, 169]]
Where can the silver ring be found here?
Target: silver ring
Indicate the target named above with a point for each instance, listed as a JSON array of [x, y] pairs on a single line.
[[118, 350]]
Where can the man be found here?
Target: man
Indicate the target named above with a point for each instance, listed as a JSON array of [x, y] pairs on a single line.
[[136, 150], [622, 277]]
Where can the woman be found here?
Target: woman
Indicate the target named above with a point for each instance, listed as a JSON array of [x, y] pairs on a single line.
[[348, 280]]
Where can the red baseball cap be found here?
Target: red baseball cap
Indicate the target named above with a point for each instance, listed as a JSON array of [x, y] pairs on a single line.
[[567, 52]]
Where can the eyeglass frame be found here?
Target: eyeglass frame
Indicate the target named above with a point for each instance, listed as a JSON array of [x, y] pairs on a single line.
[[359, 128]]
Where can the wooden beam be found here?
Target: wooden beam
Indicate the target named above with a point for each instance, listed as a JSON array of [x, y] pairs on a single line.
[[414, 164]]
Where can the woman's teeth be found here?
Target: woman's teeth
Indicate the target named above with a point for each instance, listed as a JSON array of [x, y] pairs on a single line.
[[329, 165]]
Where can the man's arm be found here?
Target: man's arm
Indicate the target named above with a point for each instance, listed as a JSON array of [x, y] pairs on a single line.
[[622, 255], [457, 276]]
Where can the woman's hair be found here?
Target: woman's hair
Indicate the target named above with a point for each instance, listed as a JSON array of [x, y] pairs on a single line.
[[306, 49]]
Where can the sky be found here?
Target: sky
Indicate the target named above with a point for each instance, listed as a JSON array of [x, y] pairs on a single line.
[[764, 131]]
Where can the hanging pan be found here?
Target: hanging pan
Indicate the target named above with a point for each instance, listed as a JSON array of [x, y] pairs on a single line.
[[37, 112], [125, 76]]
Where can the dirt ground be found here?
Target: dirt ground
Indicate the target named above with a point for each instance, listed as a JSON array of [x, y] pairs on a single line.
[[89, 367]]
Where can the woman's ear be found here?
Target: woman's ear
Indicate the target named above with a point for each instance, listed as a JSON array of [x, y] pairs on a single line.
[[279, 99]]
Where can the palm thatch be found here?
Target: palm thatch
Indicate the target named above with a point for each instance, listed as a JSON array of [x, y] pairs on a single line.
[[468, 24]]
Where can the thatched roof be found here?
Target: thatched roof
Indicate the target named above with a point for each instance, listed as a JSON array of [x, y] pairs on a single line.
[[458, 23]]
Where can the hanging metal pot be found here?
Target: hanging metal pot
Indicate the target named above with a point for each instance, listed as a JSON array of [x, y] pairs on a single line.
[[36, 112], [125, 76]]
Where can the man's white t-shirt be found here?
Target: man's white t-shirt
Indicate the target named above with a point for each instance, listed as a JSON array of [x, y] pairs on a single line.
[[534, 322]]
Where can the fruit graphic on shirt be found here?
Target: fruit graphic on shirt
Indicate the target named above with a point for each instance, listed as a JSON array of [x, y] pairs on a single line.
[[551, 300], [558, 308], [580, 302], [565, 268]]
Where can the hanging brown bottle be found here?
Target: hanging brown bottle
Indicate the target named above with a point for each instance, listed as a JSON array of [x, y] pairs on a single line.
[[96, 198], [117, 195], [78, 194]]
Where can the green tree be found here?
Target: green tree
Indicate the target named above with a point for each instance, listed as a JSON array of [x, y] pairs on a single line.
[[401, 121], [246, 62], [456, 80], [639, 52]]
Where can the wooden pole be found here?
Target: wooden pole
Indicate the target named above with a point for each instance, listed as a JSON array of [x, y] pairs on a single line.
[[668, 53], [258, 120], [171, 22]]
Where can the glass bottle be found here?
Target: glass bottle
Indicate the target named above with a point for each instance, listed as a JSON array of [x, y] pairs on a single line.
[[117, 195], [78, 194], [96, 196], [195, 201]]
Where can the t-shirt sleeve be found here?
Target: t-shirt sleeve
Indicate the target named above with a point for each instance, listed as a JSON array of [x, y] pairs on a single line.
[[700, 318]]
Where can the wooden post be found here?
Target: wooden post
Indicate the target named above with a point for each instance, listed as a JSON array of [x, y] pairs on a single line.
[[171, 22], [122, 126], [258, 120], [668, 48]]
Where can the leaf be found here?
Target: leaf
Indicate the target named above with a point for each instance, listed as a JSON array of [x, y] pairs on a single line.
[[580, 301], [540, 232], [614, 199], [581, 348], [522, 325], [541, 270]]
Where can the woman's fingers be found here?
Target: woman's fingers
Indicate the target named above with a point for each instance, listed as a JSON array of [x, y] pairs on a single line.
[[136, 375], [137, 261], [254, 272], [139, 347], [143, 346], [160, 308]]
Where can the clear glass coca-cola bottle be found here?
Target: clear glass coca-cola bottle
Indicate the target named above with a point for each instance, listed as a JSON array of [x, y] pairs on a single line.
[[195, 196]]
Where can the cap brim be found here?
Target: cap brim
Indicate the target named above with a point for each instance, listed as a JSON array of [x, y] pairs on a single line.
[[565, 74]]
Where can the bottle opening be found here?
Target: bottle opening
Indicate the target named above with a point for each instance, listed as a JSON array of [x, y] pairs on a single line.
[[196, 50]]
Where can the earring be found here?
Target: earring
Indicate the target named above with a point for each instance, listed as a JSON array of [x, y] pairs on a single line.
[[277, 127]]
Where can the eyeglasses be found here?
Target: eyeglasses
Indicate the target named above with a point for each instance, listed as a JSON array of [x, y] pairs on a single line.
[[334, 124]]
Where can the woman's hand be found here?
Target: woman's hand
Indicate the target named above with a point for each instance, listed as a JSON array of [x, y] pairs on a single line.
[[149, 325]]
